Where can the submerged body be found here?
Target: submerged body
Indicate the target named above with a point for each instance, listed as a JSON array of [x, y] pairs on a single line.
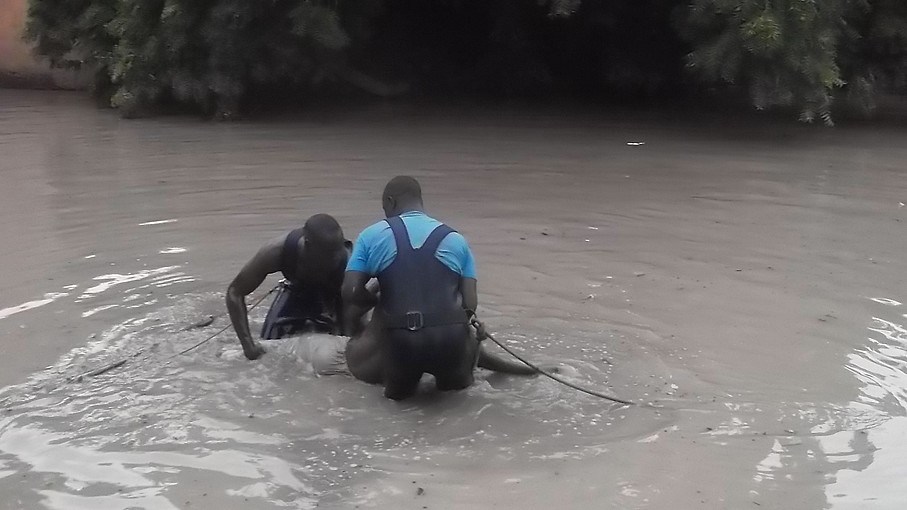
[[362, 357]]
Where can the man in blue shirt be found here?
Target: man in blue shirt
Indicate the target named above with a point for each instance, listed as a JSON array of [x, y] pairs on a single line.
[[427, 278]]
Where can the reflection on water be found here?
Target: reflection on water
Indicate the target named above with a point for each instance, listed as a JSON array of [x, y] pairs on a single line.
[[858, 451], [112, 280], [158, 222], [49, 298], [877, 480], [876, 477], [882, 367], [157, 278]]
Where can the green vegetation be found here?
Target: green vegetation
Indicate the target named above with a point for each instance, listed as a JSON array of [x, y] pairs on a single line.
[[225, 56]]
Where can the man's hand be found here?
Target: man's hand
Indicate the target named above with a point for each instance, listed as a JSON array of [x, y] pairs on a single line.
[[481, 333], [254, 351]]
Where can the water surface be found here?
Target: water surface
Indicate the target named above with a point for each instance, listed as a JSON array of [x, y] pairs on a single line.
[[748, 280]]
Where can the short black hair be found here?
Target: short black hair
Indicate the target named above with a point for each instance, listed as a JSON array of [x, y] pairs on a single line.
[[402, 188], [323, 230]]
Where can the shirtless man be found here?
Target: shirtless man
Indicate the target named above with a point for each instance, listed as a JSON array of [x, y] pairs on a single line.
[[312, 259]]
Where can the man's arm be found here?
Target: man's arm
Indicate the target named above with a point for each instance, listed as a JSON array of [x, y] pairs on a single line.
[[357, 300], [469, 294], [265, 262]]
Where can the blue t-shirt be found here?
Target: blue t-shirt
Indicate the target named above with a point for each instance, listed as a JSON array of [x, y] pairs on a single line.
[[376, 248]]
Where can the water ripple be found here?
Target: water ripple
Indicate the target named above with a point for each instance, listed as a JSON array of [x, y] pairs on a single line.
[[271, 431]]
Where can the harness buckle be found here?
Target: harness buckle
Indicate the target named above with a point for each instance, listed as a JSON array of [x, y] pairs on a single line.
[[414, 321]]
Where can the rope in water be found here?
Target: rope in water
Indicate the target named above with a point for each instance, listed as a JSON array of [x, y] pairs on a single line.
[[121, 362], [203, 342], [552, 376], [475, 323]]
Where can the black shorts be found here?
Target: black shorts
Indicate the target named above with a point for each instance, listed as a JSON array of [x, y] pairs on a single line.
[[294, 312], [447, 352]]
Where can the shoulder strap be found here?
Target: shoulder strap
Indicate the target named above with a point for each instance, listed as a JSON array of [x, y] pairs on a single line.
[[434, 239], [289, 256], [401, 236]]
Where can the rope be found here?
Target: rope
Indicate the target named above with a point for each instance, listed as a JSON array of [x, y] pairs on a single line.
[[121, 362], [552, 376], [203, 342], [475, 323]]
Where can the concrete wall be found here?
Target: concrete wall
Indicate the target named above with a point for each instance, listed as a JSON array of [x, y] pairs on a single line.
[[15, 55], [18, 66]]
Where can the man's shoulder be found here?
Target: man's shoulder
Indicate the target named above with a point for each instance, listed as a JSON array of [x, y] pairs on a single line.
[[455, 239], [436, 222], [274, 246], [425, 218], [370, 238], [279, 243], [378, 225], [373, 231]]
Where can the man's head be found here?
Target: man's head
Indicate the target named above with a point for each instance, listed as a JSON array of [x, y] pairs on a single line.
[[401, 194], [322, 231]]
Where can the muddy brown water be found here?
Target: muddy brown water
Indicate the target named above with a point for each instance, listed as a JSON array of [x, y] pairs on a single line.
[[749, 281]]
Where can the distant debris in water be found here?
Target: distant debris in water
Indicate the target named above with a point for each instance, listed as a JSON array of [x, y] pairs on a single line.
[[204, 322], [635, 144], [158, 222]]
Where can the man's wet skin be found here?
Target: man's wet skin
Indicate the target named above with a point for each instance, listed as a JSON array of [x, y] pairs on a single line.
[[313, 259]]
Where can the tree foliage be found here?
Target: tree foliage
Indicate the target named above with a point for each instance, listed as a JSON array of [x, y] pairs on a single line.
[[208, 54], [785, 52], [218, 56]]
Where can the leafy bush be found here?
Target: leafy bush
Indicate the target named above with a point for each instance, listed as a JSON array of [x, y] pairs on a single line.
[[207, 54], [217, 56]]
